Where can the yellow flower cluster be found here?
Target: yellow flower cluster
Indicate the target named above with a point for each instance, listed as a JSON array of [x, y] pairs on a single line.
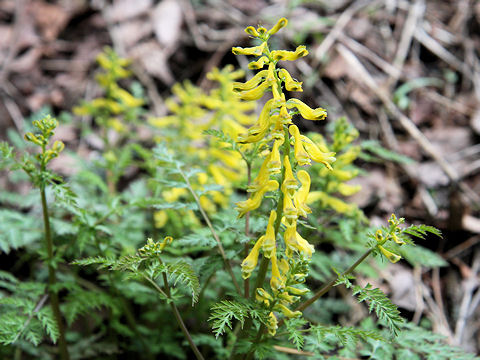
[[333, 182], [117, 102], [192, 111], [275, 132], [392, 233]]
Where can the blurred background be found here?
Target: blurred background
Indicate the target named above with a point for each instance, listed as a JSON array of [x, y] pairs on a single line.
[[404, 73]]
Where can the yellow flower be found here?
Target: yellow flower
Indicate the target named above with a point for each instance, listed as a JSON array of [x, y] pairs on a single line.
[[290, 84], [280, 24], [286, 311], [272, 324], [250, 84], [250, 30], [306, 111], [164, 121], [262, 177], [347, 189], [269, 244], [299, 52], [173, 194], [258, 131], [259, 64], [255, 93], [316, 155], [254, 202], [290, 184], [330, 201], [389, 255], [160, 218], [304, 247], [262, 296], [344, 175], [274, 165], [300, 154], [289, 210], [300, 197], [290, 238], [126, 98], [284, 116], [256, 50], [207, 204], [250, 262], [277, 282], [286, 298], [296, 291]]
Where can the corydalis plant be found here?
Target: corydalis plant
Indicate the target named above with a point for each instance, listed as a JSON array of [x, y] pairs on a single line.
[[286, 149]]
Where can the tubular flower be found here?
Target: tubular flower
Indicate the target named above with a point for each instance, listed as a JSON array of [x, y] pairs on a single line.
[[254, 202], [306, 111], [289, 210], [263, 296], [269, 244], [284, 117], [290, 184], [304, 247], [389, 255], [277, 282], [262, 177], [316, 155], [301, 195], [250, 84], [250, 262], [296, 291], [299, 52], [280, 24], [259, 130], [250, 30], [290, 84], [272, 324], [259, 64], [255, 93], [300, 154], [347, 190], [286, 311], [255, 50], [290, 238], [274, 165]]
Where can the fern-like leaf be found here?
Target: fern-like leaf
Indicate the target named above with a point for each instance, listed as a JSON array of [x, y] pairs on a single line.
[[384, 308], [183, 272], [223, 312]]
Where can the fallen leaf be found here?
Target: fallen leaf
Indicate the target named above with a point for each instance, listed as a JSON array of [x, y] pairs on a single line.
[[167, 22], [154, 59], [126, 9], [131, 32]]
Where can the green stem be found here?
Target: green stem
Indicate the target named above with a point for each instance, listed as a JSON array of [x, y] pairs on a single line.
[[176, 313], [52, 278], [228, 267], [262, 271], [332, 282], [246, 282]]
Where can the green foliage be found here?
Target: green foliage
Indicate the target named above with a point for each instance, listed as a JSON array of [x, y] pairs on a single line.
[[222, 313], [385, 310], [134, 187]]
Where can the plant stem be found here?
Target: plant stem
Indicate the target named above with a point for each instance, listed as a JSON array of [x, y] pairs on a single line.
[[52, 278], [331, 284], [262, 271], [228, 267], [246, 282], [176, 313]]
